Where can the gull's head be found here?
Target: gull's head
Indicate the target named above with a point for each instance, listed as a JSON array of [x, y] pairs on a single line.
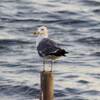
[[41, 31]]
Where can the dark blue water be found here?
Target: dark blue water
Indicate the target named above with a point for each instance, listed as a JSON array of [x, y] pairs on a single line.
[[75, 24]]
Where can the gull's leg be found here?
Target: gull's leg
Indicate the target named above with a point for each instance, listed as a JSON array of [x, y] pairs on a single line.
[[44, 64], [51, 65]]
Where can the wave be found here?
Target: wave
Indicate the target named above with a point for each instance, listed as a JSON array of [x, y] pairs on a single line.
[[4, 35], [67, 12], [91, 2], [15, 20], [18, 89], [13, 42], [91, 92], [89, 40], [97, 11], [96, 54]]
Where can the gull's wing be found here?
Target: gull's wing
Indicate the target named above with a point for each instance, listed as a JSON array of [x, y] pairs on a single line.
[[48, 47]]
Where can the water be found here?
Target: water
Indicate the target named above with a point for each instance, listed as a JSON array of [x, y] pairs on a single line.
[[75, 24]]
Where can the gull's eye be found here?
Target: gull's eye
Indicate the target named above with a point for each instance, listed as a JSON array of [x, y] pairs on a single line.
[[42, 29]]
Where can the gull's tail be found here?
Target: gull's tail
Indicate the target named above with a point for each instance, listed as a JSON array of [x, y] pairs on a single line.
[[62, 52], [59, 52]]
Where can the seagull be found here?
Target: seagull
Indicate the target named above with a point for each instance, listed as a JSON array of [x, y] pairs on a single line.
[[48, 49]]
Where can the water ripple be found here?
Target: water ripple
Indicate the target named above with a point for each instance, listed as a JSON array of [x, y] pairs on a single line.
[[75, 24]]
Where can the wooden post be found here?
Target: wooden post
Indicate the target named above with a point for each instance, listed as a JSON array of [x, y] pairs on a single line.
[[47, 86]]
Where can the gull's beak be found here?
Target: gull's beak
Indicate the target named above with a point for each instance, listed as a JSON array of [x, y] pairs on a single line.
[[35, 33]]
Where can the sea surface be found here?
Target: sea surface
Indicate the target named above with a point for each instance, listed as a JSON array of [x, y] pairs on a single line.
[[74, 24]]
